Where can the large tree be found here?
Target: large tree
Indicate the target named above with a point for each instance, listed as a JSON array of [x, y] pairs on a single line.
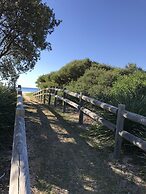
[[24, 25]]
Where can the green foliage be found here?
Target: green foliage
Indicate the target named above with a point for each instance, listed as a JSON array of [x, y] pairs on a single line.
[[72, 71], [96, 81], [130, 69], [68, 73], [111, 85], [48, 80], [7, 116], [131, 91], [128, 88], [24, 27]]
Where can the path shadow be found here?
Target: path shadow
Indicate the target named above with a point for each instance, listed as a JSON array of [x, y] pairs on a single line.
[[62, 162]]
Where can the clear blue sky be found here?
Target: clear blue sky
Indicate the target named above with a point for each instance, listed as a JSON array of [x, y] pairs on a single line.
[[107, 31]]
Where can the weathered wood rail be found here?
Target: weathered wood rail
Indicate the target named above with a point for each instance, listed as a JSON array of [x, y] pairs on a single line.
[[120, 112], [19, 174]]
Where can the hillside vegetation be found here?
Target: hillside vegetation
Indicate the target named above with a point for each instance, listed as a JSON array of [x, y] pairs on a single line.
[[115, 85], [68, 73], [106, 83]]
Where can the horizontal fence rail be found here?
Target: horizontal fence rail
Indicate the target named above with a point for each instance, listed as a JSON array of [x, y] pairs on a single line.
[[98, 118], [133, 139], [119, 111], [19, 174], [103, 105], [134, 117]]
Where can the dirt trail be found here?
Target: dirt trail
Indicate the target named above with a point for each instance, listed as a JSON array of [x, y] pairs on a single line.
[[62, 162]]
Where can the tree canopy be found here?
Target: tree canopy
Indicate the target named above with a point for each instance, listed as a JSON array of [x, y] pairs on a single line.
[[24, 25]]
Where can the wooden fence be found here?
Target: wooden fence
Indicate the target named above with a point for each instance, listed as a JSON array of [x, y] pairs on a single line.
[[19, 175], [120, 112]]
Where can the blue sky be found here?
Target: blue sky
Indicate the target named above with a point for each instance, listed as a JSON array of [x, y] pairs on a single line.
[[107, 31]]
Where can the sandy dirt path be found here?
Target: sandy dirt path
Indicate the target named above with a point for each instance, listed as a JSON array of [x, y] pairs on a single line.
[[61, 162]]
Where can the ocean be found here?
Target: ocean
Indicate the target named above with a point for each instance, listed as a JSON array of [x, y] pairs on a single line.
[[29, 90]]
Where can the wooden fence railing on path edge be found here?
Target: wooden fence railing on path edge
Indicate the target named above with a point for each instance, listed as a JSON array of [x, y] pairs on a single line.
[[19, 174], [45, 95]]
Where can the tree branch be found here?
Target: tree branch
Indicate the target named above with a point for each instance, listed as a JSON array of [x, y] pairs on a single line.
[[6, 48]]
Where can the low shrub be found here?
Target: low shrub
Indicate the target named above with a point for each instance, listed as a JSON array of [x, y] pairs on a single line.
[[131, 91], [7, 116]]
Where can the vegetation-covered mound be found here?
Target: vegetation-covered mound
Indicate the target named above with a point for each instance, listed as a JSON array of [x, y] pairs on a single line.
[[68, 73], [118, 85], [106, 83]]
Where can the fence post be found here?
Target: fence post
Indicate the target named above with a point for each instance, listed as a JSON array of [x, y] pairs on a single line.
[[119, 128], [37, 96], [49, 100], [64, 103], [40, 95], [55, 100], [19, 90], [80, 112], [44, 96]]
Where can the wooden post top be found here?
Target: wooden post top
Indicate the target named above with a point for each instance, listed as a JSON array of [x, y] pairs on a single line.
[[19, 86]]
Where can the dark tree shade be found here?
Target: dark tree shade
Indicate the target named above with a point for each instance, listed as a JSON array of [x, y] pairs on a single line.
[[24, 25]]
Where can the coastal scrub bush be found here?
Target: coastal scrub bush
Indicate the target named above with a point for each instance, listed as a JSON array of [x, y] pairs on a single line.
[[131, 91], [7, 116], [68, 73], [95, 82]]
